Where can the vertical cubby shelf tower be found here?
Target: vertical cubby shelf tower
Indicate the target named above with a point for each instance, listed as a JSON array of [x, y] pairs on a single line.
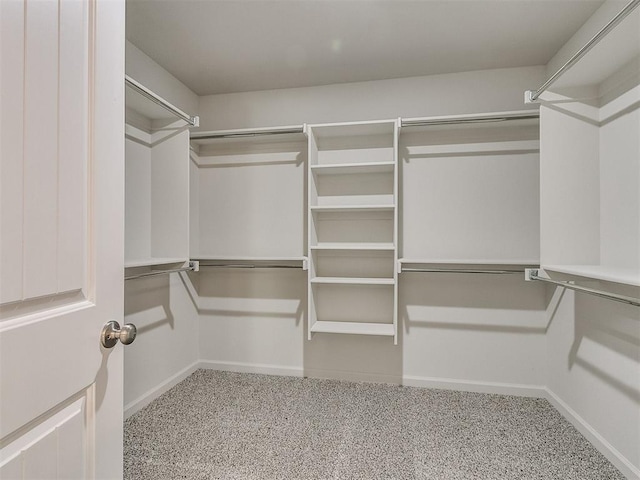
[[353, 228]]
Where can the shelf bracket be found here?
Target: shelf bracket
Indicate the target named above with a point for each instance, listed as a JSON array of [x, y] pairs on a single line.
[[528, 97]]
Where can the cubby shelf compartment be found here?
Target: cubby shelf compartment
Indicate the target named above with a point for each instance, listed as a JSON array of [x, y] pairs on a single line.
[[353, 228], [353, 281], [355, 328]]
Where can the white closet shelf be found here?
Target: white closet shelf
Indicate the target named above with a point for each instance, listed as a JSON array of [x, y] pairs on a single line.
[[626, 276], [356, 328], [352, 281], [151, 106], [354, 246], [353, 168], [352, 208], [149, 262]]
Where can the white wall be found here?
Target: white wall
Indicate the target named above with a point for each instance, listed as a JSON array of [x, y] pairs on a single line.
[[593, 370], [461, 93], [457, 331], [166, 347]]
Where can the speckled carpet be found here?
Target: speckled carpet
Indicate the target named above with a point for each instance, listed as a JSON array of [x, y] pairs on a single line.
[[220, 425]]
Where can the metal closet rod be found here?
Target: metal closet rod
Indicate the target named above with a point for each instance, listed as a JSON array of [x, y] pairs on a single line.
[[194, 121], [533, 275], [533, 96], [249, 265], [159, 272], [470, 119], [248, 133], [460, 270]]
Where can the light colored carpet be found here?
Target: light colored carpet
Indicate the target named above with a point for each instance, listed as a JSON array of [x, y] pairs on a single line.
[[221, 425]]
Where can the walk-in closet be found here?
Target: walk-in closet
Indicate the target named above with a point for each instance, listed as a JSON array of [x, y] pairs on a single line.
[[320, 239]]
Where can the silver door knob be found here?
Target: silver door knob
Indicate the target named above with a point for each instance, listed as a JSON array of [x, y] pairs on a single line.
[[111, 333]]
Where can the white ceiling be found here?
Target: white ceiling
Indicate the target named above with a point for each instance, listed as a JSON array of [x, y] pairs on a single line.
[[223, 46]]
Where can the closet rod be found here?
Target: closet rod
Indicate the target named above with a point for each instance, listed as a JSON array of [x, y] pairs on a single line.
[[460, 270], [158, 100], [159, 272], [261, 132], [249, 265], [532, 96], [533, 275], [470, 119]]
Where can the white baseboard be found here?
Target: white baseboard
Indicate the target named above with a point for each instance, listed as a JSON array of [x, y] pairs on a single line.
[[149, 396], [532, 391], [241, 367], [352, 376], [597, 440]]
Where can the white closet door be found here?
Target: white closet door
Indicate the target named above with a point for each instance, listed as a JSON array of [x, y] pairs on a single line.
[[61, 238]]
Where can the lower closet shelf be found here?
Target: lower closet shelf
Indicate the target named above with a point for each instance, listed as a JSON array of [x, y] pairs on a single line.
[[353, 281], [356, 328]]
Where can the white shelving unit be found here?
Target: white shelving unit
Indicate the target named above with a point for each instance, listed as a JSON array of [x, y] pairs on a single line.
[[470, 189], [590, 163], [156, 184], [353, 228]]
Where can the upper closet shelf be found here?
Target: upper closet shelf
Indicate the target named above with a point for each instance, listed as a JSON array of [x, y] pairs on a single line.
[[626, 276], [150, 262], [152, 106], [607, 52]]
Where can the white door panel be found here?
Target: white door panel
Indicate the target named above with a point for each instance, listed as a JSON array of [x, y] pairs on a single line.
[[61, 237]]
